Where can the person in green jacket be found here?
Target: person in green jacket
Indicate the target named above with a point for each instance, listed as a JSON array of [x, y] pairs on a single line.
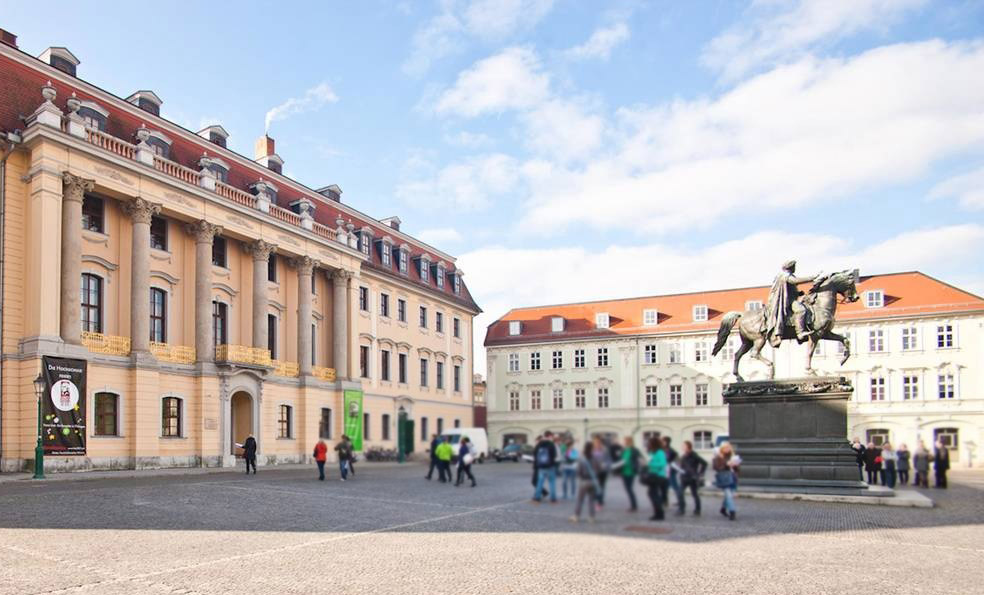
[[444, 454], [658, 472]]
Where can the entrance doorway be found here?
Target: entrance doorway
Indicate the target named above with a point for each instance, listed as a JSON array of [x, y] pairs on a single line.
[[242, 421]]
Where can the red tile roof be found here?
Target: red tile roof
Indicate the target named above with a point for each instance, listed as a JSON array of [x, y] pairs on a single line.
[[906, 294]]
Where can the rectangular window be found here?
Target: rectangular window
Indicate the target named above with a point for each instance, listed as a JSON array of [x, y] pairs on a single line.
[[439, 375], [423, 372], [676, 355], [701, 395], [272, 335], [513, 401], [535, 400], [457, 283], [457, 379], [314, 282], [650, 317], [947, 388], [92, 213], [314, 344], [514, 362], [944, 336], [171, 417], [158, 233], [603, 398], [948, 437], [423, 317], [909, 338], [384, 305], [602, 357], [386, 426], [534, 361], [219, 257], [456, 325], [402, 359], [366, 433], [652, 394], [580, 401], [91, 308], [728, 350], [324, 425], [439, 277], [158, 315], [272, 268], [107, 414], [877, 388], [284, 425], [457, 422], [364, 361], [676, 395], [558, 360], [910, 388], [602, 320], [364, 299], [700, 352], [703, 440], [877, 436], [424, 437], [440, 426], [558, 398], [404, 256], [754, 305], [557, 324], [514, 327], [425, 271], [650, 352], [438, 322], [364, 243], [876, 341], [386, 252], [401, 310], [219, 326], [384, 364], [700, 313], [874, 298]]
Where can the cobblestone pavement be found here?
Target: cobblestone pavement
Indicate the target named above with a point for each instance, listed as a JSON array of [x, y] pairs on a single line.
[[390, 531]]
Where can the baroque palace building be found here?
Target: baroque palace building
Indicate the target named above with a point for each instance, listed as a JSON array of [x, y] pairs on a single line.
[[641, 365], [211, 296]]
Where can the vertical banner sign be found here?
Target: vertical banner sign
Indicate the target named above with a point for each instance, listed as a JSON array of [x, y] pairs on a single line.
[[63, 406], [353, 418]]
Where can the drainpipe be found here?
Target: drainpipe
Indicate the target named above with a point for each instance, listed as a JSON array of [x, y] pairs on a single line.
[[10, 141]]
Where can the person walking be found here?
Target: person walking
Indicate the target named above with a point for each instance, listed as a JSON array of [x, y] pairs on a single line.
[[603, 463], [725, 465], [545, 458], [920, 462], [344, 450], [445, 452], [859, 451], [433, 456], [320, 454], [941, 463], [465, 458], [630, 456], [872, 463], [692, 468], [352, 456], [888, 465], [902, 457], [657, 478], [674, 467], [569, 481], [249, 453], [588, 488]]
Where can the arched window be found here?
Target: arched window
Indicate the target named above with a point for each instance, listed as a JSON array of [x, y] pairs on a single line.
[[92, 299], [158, 315], [171, 417], [107, 407]]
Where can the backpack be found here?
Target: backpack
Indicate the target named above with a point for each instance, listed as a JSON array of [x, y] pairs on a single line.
[[543, 456]]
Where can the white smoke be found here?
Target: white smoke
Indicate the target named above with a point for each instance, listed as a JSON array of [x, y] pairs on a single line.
[[313, 98]]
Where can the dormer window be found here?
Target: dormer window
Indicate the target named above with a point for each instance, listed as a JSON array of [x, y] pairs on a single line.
[[148, 101], [457, 283], [404, 256], [219, 168], [365, 240], [700, 313], [514, 327], [874, 298], [753, 305], [215, 134], [650, 317], [602, 320], [440, 275], [93, 115], [160, 144], [424, 270], [386, 252], [557, 324], [60, 58]]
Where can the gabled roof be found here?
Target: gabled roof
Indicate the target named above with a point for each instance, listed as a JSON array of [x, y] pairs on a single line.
[[905, 294]]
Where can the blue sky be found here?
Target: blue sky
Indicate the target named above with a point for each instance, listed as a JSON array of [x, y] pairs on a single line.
[[580, 150]]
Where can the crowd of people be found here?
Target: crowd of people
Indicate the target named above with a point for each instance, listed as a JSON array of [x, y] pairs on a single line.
[[585, 472], [442, 455], [889, 466]]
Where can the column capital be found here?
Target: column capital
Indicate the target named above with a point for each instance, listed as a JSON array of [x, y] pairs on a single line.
[[260, 249], [342, 275], [203, 231], [140, 210], [75, 186], [305, 265]]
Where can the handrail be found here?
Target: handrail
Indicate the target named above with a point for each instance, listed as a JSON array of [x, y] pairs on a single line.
[[235, 194], [285, 215], [110, 143], [108, 344], [176, 170]]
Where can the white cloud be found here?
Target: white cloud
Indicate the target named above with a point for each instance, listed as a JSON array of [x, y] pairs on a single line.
[[469, 140], [563, 130], [497, 19], [967, 188], [439, 236], [511, 79], [557, 275], [312, 99], [601, 43], [782, 31], [469, 184]]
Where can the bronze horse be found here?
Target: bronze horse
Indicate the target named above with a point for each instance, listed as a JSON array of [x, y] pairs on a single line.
[[820, 303]]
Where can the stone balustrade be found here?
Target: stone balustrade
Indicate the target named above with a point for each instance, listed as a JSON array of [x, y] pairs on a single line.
[[106, 344], [321, 373], [286, 369], [241, 354], [178, 354]]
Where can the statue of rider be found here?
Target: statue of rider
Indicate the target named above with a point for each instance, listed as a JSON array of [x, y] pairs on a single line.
[[783, 303]]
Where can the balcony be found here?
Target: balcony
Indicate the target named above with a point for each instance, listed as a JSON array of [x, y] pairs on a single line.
[[107, 344], [326, 374], [176, 354], [240, 354], [286, 369]]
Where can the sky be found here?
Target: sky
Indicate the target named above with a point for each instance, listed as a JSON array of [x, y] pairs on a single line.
[[567, 151]]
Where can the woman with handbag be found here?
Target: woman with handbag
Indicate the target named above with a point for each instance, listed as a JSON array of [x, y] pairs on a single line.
[[465, 460], [872, 463], [588, 488], [656, 476], [725, 465]]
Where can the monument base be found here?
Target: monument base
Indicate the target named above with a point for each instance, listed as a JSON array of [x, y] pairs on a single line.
[[791, 436]]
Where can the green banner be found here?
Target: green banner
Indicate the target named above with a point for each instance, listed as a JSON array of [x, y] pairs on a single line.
[[353, 418]]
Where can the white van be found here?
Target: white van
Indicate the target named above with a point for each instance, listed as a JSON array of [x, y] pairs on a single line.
[[477, 436]]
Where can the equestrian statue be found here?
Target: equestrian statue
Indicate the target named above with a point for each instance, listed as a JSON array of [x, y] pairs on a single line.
[[791, 314]]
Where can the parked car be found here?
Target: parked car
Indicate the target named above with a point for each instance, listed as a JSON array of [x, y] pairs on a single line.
[[479, 441], [511, 452]]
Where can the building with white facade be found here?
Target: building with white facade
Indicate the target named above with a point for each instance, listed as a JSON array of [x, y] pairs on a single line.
[[641, 365]]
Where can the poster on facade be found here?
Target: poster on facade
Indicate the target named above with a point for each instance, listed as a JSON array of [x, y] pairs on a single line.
[[63, 406], [353, 418]]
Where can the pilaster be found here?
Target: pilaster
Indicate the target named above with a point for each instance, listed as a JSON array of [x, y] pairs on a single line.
[[140, 212], [74, 189]]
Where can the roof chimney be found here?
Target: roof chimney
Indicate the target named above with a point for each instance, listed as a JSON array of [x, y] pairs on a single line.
[[147, 101], [8, 38], [215, 134], [393, 222], [332, 192], [60, 58], [267, 156]]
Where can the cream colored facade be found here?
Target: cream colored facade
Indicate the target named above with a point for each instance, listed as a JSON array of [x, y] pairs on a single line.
[[227, 390]]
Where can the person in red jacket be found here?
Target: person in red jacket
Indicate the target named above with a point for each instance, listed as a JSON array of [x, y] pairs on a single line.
[[320, 453]]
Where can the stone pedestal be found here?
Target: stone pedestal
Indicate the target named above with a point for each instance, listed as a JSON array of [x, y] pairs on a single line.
[[792, 435]]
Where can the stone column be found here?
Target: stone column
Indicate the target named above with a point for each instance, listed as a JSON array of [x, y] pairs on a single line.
[[204, 234], [339, 318], [73, 189], [305, 269], [261, 252], [140, 211]]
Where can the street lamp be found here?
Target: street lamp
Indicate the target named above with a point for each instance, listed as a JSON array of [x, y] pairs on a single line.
[[39, 450]]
